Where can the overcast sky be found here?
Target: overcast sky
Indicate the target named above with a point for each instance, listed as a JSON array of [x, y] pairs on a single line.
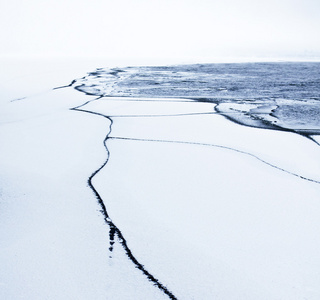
[[198, 29]]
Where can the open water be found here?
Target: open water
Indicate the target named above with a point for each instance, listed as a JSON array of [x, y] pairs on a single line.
[[279, 96]]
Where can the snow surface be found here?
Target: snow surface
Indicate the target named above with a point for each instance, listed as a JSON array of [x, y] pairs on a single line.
[[210, 208]]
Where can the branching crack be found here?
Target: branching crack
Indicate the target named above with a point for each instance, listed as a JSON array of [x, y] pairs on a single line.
[[216, 146], [114, 231]]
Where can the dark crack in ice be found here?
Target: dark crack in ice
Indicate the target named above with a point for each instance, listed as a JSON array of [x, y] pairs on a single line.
[[114, 231]]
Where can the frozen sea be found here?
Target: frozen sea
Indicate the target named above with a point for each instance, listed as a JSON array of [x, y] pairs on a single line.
[[160, 182]]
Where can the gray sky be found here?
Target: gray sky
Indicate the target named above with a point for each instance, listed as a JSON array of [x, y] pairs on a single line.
[[176, 29]]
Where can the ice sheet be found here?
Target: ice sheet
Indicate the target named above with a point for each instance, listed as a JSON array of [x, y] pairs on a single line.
[[210, 208]]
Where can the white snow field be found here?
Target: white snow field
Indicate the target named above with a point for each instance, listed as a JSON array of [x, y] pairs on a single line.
[[192, 205]]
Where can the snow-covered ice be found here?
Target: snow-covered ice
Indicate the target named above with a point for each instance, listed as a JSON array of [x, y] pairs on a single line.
[[209, 208]]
